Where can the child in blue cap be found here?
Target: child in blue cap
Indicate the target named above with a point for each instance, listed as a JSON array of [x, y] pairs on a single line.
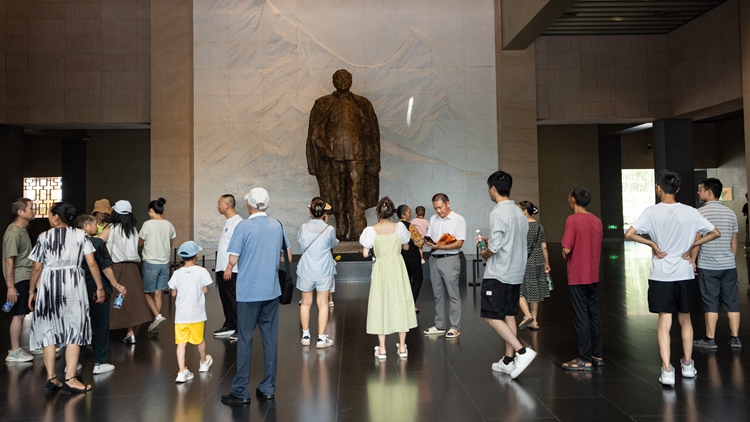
[[189, 286]]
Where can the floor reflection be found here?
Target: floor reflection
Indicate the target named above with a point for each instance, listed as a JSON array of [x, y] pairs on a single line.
[[441, 380]]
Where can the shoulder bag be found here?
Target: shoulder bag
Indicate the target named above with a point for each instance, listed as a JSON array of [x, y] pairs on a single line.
[[285, 276]]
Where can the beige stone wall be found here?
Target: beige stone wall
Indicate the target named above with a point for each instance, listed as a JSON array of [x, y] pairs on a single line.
[[2, 60], [516, 116], [602, 79], [705, 66], [77, 62], [172, 111]]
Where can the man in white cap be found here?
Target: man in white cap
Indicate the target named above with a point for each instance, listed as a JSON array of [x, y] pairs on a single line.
[[255, 248]]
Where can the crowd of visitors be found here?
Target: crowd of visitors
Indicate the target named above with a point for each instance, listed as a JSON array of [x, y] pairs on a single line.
[[82, 279]]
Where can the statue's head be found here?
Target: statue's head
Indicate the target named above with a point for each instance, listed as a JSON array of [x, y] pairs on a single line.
[[342, 80]]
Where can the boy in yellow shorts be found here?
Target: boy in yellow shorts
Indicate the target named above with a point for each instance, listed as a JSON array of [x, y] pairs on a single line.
[[189, 286]]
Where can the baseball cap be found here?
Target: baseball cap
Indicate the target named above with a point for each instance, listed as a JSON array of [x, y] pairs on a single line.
[[189, 249], [123, 207], [258, 198]]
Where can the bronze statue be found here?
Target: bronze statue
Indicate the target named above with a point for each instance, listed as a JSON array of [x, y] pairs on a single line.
[[343, 153]]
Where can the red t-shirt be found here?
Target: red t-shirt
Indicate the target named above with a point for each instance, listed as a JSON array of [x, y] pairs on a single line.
[[583, 236]]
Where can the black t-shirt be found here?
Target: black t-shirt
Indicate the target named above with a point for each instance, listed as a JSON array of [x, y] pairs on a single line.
[[744, 211], [103, 260]]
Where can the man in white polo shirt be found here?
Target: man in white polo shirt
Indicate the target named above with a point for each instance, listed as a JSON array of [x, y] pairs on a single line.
[[717, 271], [227, 286], [445, 266]]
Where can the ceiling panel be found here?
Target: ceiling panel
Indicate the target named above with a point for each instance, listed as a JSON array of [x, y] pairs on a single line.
[[621, 17]]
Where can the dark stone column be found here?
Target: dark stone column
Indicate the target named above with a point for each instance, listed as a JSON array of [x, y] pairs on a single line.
[[11, 170], [673, 150], [74, 174], [610, 185]]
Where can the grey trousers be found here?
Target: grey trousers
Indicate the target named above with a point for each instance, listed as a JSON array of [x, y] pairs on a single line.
[[266, 316], [444, 274]]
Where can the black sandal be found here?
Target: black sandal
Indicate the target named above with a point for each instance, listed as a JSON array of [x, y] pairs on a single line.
[[577, 365], [67, 389], [50, 387], [598, 362]]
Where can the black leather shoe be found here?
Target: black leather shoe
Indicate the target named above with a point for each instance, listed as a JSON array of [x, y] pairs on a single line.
[[260, 395], [231, 399]]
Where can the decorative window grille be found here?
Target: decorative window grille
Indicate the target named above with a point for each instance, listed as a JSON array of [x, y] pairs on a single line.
[[44, 191]]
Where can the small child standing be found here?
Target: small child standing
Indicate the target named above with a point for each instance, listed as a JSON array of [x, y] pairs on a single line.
[[189, 286], [421, 224]]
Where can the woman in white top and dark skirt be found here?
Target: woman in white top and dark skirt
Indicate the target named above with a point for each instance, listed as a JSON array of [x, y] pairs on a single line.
[[316, 269], [122, 241]]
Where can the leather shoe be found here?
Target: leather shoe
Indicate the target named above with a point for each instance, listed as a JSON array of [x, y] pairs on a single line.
[[263, 396], [231, 399]]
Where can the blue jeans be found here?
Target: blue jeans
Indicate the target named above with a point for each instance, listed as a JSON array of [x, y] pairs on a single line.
[[265, 315], [155, 277]]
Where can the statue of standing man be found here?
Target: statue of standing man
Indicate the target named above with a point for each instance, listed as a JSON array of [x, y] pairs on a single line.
[[343, 153]]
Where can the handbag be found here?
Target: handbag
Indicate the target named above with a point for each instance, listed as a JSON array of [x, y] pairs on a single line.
[[285, 276]]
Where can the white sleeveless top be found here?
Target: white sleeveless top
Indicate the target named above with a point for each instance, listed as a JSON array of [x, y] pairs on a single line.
[[121, 248]]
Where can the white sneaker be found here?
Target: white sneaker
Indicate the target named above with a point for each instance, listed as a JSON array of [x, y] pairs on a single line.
[[78, 368], [154, 326], [500, 366], [667, 378], [688, 371], [184, 376], [100, 368], [305, 340], [522, 361], [18, 355], [41, 351], [422, 262], [207, 364], [324, 342]]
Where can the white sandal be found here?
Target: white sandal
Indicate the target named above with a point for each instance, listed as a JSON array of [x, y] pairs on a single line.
[[402, 355], [378, 355]]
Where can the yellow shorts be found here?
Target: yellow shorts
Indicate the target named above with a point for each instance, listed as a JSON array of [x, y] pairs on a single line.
[[189, 333]]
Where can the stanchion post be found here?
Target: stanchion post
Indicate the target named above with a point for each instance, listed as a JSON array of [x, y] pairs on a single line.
[[475, 269]]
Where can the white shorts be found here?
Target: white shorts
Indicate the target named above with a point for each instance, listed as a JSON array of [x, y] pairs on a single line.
[[324, 285]]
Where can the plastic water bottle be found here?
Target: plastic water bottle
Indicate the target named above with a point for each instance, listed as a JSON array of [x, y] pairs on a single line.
[[480, 242], [118, 301], [8, 306], [549, 282]]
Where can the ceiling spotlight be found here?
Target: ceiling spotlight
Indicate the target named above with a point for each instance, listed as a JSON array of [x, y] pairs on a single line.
[[568, 15]]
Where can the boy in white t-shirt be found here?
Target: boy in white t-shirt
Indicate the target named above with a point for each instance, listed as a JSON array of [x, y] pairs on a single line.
[[189, 286], [672, 227]]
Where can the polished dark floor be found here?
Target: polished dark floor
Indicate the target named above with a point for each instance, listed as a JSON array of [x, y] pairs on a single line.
[[441, 379]]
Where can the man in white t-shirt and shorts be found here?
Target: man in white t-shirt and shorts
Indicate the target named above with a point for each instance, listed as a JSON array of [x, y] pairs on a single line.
[[672, 227], [227, 285]]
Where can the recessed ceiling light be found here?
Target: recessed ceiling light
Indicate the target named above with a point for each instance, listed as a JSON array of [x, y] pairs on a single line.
[[667, 13], [568, 15]]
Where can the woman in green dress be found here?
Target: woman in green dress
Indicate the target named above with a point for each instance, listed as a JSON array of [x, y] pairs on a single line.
[[390, 307]]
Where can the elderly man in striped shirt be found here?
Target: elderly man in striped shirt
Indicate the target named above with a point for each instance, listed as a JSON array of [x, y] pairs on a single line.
[[717, 272]]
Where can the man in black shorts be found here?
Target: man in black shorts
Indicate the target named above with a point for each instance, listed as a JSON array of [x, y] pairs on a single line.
[[672, 227], [17, 271], [506, 265]]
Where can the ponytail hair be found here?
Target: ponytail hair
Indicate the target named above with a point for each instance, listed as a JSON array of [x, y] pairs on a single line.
[[65, 211], [157, 205], [529, 207], [385, 208]]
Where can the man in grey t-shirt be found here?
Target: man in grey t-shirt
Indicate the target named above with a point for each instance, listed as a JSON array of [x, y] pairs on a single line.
[[506, 265], [717, 272]]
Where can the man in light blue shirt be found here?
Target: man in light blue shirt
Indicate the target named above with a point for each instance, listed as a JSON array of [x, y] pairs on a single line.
[[255, 248]]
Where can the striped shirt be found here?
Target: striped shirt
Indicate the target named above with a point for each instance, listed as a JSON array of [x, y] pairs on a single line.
[[717, 254]]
